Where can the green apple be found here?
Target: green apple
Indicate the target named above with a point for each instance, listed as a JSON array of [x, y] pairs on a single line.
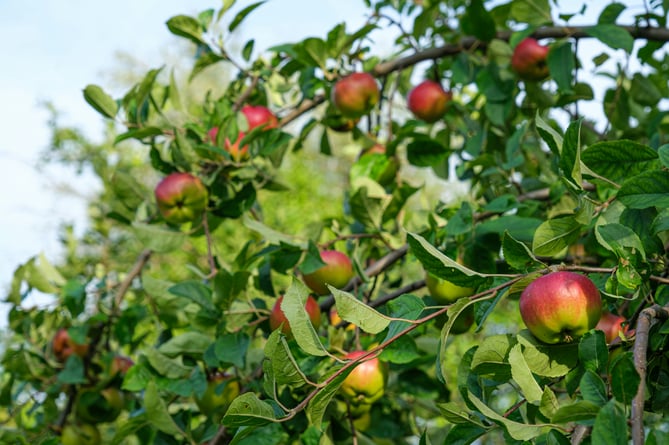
[[278, 318], [529, 60], [221, 390], [181, 197], [429, 101], [560, 307], [365, 384], [337, 272], [355, 95], [80, 434], [445, 292]]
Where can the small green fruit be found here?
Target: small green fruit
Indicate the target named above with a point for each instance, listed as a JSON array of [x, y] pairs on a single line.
[[80, 434], [221, 390], [445, 292]]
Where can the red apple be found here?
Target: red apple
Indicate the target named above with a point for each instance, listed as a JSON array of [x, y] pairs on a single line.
[[445, 292], [560, 307], [429, 101], [613, 325], [365, 384], [277, 317], [63, 346], [221, 390], [181, 198], [337, 272], [529, 60], [80, 434], [355, 95], [259, 115]]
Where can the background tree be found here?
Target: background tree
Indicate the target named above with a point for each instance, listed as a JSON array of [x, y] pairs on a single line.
[[161, 329]]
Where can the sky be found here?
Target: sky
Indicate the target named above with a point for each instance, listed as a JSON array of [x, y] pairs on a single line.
[[50, 50]]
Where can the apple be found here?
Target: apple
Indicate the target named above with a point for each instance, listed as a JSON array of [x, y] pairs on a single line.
[[377, 164], [529, 60], [95, 406], [181, 198], [337, 272], [560, 307], [362, 422], [259, 115], [335, 319], [221, 390], [80, 434], [120, 365], [339, 123], [63, 346], [445, 292], [355, 95], [613, 325], [277, 317], [428, 101], [365, 384]]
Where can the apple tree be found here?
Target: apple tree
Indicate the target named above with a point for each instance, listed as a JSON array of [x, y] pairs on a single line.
[[496, 187]]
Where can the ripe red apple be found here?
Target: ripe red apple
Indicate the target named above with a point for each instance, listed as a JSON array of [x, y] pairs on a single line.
[[529, 60], [613, 325], [337, 272], [63, 346], [259, 115], [181, 198], [428, 101], [445, 292], [355, 95], [560, 306], [80, 434], [277, 317], [221, 390], [377, 164], [365, 384]]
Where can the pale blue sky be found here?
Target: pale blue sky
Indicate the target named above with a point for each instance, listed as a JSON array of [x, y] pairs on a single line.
[[50, 50]]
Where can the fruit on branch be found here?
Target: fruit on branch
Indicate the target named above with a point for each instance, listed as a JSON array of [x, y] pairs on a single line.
[[221, 390], [362, 422], [335, 319], [560, 307], [335, 121], [63, 346], [445, 292], [80, 434], [529, 60], [613, 325], [181, 197], [355, 95], [277, 316], [96, 406], [365, 384], [377, 165], [337, 272], [259, 115], [428, 101]]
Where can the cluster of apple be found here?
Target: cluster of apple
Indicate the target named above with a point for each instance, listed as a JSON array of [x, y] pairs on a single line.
[[97, 403]]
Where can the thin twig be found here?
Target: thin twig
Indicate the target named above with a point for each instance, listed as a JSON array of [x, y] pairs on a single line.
[[134, 272]]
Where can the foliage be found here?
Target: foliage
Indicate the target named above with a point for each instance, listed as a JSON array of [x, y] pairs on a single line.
[[546, 188]]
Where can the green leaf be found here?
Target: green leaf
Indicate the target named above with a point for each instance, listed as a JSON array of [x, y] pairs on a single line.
[[158, 239], [188, 343], [401, 352], [592, 351], [647, 189], [230, 349], [355, 311], [442, 266], [619, 160], [613, 36], [426, 152], [369, 202], [663, 152], [570, 157], [593, 388], [241, 15], [561, 64], [203, 62], [456, 414], [610, 426], [101, 101], [157, 413], [187, 27], [73, 373], [478, 22], [248, 410], [517, 430], [139, 134], [611, 13], [522, 375], [128, 428], [492, 356], [304, 333], [555, 235], [172, 368], [552, 138], [285, 368], [577, 411], [518, 255], [272, 236], [196, 292], [619, 239], [624, 379], [316, 407], [548, 360], [532, 12]]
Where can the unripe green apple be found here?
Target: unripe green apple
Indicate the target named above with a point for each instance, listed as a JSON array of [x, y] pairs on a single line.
[[365, 384], [428, 101], [80, 434], [181, 198], [560, 307], [277, 317], [613, 325], [63, 346], [355, 95], [445, 292], [529, 60], [221, 390], [337, 272]]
